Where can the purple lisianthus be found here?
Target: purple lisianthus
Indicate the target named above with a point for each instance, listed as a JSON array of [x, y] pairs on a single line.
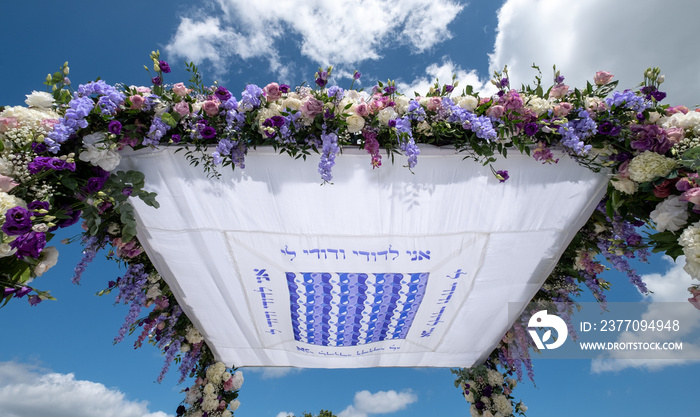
[[94, 184], [504, 82], [73, 217], [502, 175], [608, 128], [322, 78], [164, 66], [208, 132], [222, 93], [114, 127], [449, 88], [30, 244], [36, 207], [658, 95], [34, 300], [18, 221], [22, 292], [356, 75], [175, 138], [389, 89], [284, 88], [531, 128], [43, 163], [127, 191], [157, 80], [39, 148]]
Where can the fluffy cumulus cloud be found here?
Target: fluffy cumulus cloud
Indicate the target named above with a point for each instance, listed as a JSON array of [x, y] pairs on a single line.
[[443, 72], [31, 391], [285, 414], [624, 37], [381, 402], [668, 302], [339, 32]]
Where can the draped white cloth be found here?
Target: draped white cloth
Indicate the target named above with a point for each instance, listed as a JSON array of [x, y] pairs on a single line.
[[383, 267]]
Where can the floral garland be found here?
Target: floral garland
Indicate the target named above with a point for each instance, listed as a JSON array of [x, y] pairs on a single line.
[[58, 160]]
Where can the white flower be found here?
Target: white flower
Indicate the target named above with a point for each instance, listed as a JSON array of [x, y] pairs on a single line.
[[689, 121], [503, 404], [670, 214], [237, 381], [226, 413], [467, 102], [193, 395], [184, 348], [7, 201], [209, 388], [153, 292], [402, 104], [355, 123], [690, 241], [40, 99], [386, 114], [98, 153], [47, 259], [234, 404], [469, 396], [215, 372], [623, 184], [193, 336], [487, 413], [291, 103], [494, 377], [225, 376], [538, 105], [649, 165], [6, 250], [210, 403]]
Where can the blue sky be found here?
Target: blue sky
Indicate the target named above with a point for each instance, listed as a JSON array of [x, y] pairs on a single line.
[[57, 359]]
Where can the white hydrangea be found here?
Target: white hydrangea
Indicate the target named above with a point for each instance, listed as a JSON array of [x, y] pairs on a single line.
[[690, 241], [40, 99], [234, 404], [502, 404], [494, 377], [48, 258], [670, 214], [215, 372], [193, 336], [209, 403], [649, 165], [98, 153], [7, 201]]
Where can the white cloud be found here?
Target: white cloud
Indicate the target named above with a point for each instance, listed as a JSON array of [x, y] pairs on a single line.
[[28, 391], [285, 414], [338, 33], [274, 372], [624, 37], [381, 402], [444, 72], [668, 301]]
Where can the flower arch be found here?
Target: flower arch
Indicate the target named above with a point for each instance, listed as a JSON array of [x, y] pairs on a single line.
[[59, 159]]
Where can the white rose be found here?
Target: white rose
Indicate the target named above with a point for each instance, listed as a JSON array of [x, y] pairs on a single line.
[[468, 102], [494, 377], [386, 114], [402, 104], [539, 105], [234, 404], [193, 336], [209, 389], [184, 348], [237, 380], [226, 413], [670, 214], [291, 103], [7, 201], [6, 250], [153, 292], [692, 268], [355, 123], [40, 99], [47, 259], [99, 153]]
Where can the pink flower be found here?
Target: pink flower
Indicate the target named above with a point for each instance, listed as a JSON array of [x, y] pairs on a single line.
[[434, 103], [559, 91], [496, 111], [562, 109], [692, 196], [311, 107], [272, 92], [144, 90], [7, 123], [211, 107], [378, 102], [180, 89], [362, 109], [137, 101], [675, 134], [128, 249], [182, 108], [676, 109], [602, 77], [623, 169], [7, 183], [695, 299], [228, 384]]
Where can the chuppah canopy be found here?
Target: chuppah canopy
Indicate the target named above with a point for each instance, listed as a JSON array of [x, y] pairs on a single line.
[[383, 267]]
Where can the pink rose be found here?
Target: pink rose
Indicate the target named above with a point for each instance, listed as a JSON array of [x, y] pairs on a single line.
[[228, 384], [378, 102], [180, 89], [562, 109], [434, 103], [144, 90], [7, 123], [311, 107], [695, 299], [675, 134], [137, 101], [676, 109], [362, 109], [272, 92], [559, 91], [602, 77], [623, 169], [496, 111], [7, 183], [182, 108], [210, 107], [484, 100], [692, 196]]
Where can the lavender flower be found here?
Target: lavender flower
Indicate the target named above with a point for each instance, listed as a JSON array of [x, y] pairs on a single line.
[[329, 151], [156, 131], [91, 246]]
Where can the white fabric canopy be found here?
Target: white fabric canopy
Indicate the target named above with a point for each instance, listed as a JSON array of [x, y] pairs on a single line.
[[382, 268]]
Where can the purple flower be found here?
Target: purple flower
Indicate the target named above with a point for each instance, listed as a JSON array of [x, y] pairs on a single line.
[[322, 78], [30, 244], [22, 292], [650, 138], [559, 79], [284, 88], [176, 138], [164, 66], [157, 80], [356, 75], [222, 93], [39, 147], [608, 128], [94, 185], [488, 390], [389, 89], [658, 95], [8, 291], [114, 127], [208, 132], [127, 191], [502, 175], [531, 128], [73, 217], [34, 300], [18, 221], [35, 207], [504, 82], [449, 88]]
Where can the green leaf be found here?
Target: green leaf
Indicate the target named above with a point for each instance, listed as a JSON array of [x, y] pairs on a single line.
[[168, 119], [691, 158]]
